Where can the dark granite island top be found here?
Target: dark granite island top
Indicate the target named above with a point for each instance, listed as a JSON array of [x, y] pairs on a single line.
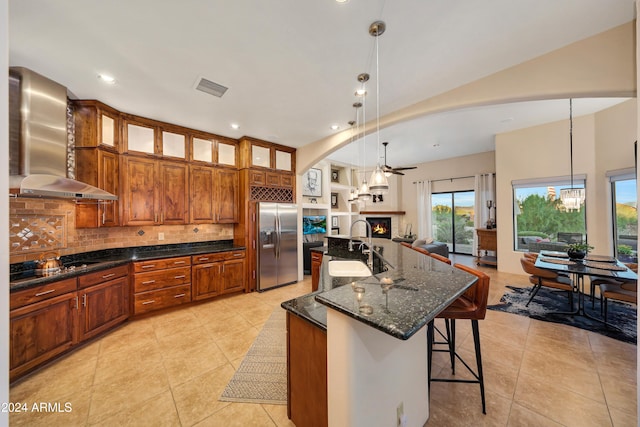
[[422, 287]]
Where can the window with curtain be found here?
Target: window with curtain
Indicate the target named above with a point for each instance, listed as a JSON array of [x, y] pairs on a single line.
[[624, 203], [539, 216]]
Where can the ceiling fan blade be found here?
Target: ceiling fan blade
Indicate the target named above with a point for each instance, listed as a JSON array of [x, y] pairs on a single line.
[[395, 172], [405, 168]]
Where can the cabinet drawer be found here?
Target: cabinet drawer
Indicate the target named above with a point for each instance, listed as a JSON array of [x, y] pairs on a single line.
[[207, 258], [286, 180], [40, 293], [234, 254], [256, 178], [159, 264], [161, 279], [97, 277], [155, 300]]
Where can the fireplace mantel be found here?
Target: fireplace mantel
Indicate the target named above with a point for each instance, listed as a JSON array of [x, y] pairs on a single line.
[[382, 212]]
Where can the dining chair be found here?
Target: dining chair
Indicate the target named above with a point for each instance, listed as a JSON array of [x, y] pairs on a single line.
[[599, 281], [472, 305], [626, 291], [540, 277]]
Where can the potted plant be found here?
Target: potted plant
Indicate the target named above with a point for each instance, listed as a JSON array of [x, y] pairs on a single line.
[[625, 254], [578, 250]]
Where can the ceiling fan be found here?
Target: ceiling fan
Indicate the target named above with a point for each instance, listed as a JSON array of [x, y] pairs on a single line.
[[388, 169]]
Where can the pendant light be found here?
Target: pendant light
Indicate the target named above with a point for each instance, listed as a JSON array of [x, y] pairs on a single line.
[[363, 192], [572, 198], [353, 193], [379, 183]]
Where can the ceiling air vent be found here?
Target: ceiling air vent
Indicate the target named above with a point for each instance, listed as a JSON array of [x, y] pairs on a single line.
[[210, 87]]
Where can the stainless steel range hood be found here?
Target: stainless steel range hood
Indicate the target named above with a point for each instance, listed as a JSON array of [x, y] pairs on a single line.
[[39, 157]]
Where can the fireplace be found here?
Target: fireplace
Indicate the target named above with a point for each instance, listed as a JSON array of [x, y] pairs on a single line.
[[381, 227]]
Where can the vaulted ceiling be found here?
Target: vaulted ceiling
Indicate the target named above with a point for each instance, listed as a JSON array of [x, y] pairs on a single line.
[[291, 66]]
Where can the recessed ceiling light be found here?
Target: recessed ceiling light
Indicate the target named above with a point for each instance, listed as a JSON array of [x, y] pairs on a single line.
[[342, 1], [106, 78], [235, 126], [335, 127], [361, 92]]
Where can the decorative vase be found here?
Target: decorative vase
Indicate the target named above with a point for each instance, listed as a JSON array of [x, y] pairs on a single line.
[[576, 254]]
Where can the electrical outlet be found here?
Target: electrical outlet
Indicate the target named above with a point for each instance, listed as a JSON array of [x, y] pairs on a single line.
[[160, 236], [400, 415]]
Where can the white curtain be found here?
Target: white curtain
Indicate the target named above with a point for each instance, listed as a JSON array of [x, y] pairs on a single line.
[[424, 209], [484, 191]]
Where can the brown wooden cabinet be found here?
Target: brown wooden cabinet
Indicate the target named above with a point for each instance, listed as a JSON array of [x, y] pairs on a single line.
[[96, 125], [154, 191], [103, 301], [316, 264], [307, 397], [487, 241], [174, 195], [218, 273], [161, 283], [214, 195], [99, 168], [42, 330]]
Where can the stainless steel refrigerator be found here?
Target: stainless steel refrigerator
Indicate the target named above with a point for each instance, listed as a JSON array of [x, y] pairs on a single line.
[[277, 244]]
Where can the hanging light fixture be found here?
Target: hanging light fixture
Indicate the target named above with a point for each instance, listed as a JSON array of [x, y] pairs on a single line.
[[364, 193], [379, 183], [572, 198], [353, 193]]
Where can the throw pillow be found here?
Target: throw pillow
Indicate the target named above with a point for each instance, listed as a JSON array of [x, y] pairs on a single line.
[[429, 240], [419, 242]]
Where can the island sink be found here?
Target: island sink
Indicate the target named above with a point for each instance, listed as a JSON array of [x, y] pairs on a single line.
[[348, 268]]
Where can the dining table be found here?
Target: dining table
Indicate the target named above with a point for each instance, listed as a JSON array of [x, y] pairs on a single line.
[[592, 265]]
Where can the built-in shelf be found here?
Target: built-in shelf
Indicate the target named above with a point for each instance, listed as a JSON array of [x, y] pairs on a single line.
[[382, 212]]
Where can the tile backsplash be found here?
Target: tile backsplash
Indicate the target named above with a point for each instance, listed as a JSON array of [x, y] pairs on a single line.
[[60, 215]]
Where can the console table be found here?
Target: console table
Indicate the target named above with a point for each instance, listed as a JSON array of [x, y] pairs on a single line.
[[487, 241]]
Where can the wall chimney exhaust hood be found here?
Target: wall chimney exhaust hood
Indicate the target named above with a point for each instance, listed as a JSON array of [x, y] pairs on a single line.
[[39, 157]]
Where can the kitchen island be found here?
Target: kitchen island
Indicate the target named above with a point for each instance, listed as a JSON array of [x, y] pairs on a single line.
[[376, 344]]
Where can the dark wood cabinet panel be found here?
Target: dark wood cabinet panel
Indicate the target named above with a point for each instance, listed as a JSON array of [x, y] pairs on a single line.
[[40, 293], [40, 331], [306, 373], [206, 280], [99, 168], [227, 199], [139, 191], [174, 197], [161, 283], [233, 272], [316, 264], [201, 205], [102, 307], [155, 300], [159, 279], [218, 273]]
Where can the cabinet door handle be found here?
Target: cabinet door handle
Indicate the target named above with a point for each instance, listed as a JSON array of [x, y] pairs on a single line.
[[238, 254], [106, 276], [148, 282], [179, 295], [84, 300], [149, 266], [203, 259], [103, 217], [77, 306], [223, 268], [179, 262], [180, 277], [155, 218], [39, 294], [149, 302]]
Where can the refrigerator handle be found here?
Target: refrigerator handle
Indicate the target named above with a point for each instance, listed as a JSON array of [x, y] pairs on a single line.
[[275, 237], [279, 235]]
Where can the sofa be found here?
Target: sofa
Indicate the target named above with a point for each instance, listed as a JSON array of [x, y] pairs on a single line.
[[439, 248]]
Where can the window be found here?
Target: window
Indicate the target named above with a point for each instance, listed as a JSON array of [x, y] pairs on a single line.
[[624, 198], [540, 220], [453, 215]]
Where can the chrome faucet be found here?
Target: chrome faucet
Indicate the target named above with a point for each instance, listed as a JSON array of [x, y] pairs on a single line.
[[369, 250]]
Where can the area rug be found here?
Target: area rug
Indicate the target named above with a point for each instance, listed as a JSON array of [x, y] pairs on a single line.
[[262, 375], [621, 316]]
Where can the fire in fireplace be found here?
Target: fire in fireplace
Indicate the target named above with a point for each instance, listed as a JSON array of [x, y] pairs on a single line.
[[380, 227]]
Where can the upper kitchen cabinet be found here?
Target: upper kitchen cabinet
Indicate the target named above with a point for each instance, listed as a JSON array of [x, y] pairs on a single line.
[[173, 143], [214, 149], [214, 195], [139, 136], [100, 168], [262, 154], [96, 125], [154, 192]]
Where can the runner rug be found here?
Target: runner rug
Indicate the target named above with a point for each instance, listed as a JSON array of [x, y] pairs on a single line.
[[621, 316], [262, 375]]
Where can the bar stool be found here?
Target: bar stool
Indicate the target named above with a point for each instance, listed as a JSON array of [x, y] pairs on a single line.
[[471, 305]]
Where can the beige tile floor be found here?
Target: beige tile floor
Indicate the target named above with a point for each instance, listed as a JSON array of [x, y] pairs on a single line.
[[169, 369]]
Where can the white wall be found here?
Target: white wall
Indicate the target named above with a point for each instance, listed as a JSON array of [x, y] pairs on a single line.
[[602, 142]]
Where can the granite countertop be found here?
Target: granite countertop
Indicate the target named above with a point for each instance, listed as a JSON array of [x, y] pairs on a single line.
[[422, 288], [23, 275]]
